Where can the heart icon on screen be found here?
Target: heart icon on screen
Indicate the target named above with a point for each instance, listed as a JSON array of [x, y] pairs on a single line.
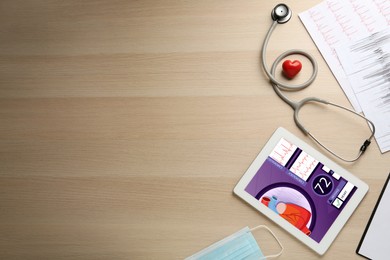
[[291, 68]]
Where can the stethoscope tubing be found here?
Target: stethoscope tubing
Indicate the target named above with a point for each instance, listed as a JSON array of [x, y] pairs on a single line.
[[279, 86], [286, 86]]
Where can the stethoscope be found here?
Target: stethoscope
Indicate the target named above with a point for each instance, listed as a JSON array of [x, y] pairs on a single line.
[[282, 14]]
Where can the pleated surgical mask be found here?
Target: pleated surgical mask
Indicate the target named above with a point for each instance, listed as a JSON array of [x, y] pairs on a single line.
[[238, 246]]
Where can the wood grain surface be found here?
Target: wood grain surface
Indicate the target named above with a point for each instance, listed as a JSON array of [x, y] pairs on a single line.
[[125, 125]]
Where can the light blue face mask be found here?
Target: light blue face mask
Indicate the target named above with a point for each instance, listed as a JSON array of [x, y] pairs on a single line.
[[238, 246]]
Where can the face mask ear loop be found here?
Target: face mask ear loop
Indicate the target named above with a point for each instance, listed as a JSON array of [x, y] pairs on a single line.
[[272, 233]]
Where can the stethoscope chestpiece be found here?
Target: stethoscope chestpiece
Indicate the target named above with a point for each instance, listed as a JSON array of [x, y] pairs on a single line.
[[281, 13]]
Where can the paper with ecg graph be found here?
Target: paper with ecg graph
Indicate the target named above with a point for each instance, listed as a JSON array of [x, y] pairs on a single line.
[[333, 22], [366, 63], [338, 24]]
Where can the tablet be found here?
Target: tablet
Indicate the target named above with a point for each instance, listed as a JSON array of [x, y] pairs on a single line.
[[301, 190]]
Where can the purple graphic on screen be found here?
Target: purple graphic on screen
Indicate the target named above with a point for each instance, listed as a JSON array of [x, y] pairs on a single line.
[[300, 189]]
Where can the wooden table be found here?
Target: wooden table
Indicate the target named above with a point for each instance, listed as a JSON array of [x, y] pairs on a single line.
[[125, 125]]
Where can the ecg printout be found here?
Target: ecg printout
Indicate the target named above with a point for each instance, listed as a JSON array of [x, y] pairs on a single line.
[[333, 22], [366, 63]]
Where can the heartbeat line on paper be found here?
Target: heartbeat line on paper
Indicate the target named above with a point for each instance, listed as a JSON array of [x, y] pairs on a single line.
[[366, 62], [334, 22]]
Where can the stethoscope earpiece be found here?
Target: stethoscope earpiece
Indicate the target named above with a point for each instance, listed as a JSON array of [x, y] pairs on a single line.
[[281, 13]]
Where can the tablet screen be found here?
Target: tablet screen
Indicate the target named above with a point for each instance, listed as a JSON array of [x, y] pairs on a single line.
[[300, 189]]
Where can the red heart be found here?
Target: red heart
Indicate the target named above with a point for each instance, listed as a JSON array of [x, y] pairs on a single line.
[[291, 68]]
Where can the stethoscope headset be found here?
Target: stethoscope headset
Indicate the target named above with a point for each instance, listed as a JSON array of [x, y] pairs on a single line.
[[282, 14]]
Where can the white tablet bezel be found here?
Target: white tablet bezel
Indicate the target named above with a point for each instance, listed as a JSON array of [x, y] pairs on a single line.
[[344, 215]]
